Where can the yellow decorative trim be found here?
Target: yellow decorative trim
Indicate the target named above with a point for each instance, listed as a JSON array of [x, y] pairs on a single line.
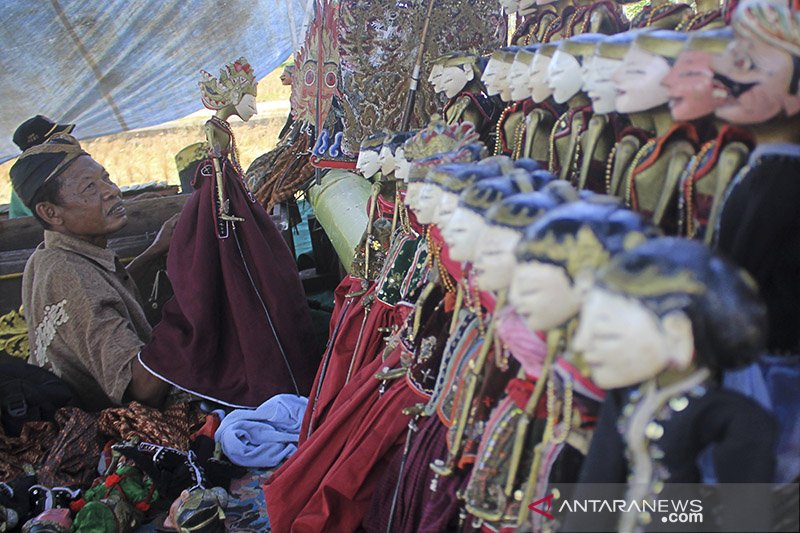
[[14, 334], [650, 282]]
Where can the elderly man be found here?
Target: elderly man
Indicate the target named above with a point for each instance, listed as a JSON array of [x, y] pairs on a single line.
[[85, 322]]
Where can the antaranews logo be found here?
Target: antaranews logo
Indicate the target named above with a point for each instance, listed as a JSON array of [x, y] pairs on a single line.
[[672, 511], [547, 503], [671, 507]]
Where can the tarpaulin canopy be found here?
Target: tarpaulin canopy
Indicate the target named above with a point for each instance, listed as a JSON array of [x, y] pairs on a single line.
[[117, 65]]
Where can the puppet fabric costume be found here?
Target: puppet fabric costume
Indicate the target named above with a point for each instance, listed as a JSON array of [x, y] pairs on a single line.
[[237, 329]]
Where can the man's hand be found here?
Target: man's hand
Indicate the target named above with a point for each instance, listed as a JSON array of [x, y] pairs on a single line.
[[145, 387], [138, 267], [164, 237]]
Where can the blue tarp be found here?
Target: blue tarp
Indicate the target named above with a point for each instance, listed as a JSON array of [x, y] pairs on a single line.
[[115, 65]]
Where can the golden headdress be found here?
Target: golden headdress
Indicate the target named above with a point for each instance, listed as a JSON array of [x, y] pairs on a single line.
[[438, 137], [773, 23], [235, 80]]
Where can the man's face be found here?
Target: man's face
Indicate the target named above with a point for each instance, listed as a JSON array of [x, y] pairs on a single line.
[[90, 204], [753, 79]]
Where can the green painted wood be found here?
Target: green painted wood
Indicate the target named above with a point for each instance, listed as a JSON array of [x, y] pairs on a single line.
[[340, 205]]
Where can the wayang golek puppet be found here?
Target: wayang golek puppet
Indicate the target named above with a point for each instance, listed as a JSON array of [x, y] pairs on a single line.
[[758, 227], [555, 262], [693, 97], [658, 327], [651, 184]]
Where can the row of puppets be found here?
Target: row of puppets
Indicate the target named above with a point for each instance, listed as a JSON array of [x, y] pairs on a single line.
[[562, 280]]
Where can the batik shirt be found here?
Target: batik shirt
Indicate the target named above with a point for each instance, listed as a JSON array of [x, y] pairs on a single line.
[[85, 322]]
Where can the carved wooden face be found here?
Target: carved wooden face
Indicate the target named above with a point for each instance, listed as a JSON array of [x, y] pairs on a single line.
[[625, 343], [543, 295], [435, 77], [494, 257], [463, 232], [368, 162], [537, 81], [753, 78], [598, 85], [518, 75], [494, 76], [455, 78], [564, 76], [638, 81], [690, 86], [426, 202], [246, 107]]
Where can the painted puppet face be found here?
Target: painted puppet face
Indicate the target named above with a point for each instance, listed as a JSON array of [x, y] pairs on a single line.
[[494, 257], [564, 76], [690, 86], [463, 233], [638, 81], [753, 79], [537, 82], [624, 343]]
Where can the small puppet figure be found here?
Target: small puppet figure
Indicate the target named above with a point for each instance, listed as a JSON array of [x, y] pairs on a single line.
[[658, 327], [460, 81], [236, 331], [651, 184], [693, 97], [759, 227]]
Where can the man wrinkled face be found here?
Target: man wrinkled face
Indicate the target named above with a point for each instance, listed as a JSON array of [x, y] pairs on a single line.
[[638, 81], [622, 342], [752, 78], [90, 204], [494, 258], [690, 86]]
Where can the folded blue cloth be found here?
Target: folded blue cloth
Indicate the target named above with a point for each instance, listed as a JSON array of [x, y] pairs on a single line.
[[265, 436]]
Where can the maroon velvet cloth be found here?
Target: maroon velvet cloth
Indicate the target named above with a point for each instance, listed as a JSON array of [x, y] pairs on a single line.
[[233, 283], [328, 482], [348, 314], [427, 445]]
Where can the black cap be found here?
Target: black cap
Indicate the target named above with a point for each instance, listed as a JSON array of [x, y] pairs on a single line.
[[38, 129]]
